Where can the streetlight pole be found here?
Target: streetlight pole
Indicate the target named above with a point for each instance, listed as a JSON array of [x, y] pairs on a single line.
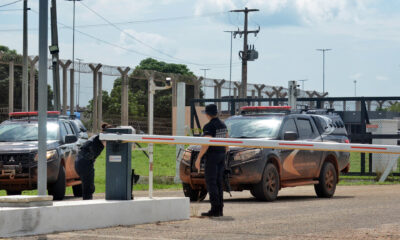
[[323, 66], [25, 59], [73, 37], [355, 88], [230, 65]]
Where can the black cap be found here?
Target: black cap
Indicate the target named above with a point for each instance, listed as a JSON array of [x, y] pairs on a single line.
[[211, 109]]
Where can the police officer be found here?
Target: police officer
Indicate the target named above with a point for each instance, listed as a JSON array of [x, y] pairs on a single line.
[[215, 163], [84, 164]]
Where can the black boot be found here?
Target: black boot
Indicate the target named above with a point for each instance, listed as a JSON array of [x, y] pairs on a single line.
[[221, 211], [214, 212]]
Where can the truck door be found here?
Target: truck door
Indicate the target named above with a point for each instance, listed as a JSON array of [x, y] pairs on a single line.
[[308, 167], [290, 158], [70, 154]]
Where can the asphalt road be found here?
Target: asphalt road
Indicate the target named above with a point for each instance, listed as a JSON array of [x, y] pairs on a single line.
[[355, 212]]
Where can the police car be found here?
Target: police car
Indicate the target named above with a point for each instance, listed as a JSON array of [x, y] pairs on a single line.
[[18, 154], [265, 171]]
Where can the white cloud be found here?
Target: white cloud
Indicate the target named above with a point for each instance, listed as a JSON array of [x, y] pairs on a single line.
[[381, 78], [356, 76], [308, 11], [156, 41]]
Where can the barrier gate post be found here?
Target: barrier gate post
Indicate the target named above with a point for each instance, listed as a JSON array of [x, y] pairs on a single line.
[[118, 166]]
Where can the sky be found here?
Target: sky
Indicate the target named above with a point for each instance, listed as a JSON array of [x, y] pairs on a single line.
[[363, 34]]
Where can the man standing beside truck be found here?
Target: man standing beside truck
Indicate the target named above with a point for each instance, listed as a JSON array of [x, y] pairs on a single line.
[[215, 162]]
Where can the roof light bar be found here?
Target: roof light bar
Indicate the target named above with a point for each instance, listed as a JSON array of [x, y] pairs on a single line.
[[258, 108], [28, 114]]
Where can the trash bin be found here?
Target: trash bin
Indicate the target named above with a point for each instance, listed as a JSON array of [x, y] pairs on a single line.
[[118, 166]]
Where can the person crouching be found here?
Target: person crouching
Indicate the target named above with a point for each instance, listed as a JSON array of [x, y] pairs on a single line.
[[84, 165]]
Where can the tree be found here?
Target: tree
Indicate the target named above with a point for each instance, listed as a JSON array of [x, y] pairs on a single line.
[[393, 108], [138, 89], [7, 55]]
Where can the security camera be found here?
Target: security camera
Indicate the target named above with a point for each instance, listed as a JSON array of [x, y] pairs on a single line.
[[168, 81]]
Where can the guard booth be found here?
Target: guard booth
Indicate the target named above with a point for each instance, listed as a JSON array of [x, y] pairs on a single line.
[[118, 166]]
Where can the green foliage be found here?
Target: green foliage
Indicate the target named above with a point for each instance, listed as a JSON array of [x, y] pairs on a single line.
[[138, 88], [394, 108], [12, 55], [159, 66]]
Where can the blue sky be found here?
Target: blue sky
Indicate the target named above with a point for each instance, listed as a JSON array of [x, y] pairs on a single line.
[[363, 34]]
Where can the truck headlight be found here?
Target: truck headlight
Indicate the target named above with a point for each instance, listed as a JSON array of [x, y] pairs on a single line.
[[50, 155], [247, 154]]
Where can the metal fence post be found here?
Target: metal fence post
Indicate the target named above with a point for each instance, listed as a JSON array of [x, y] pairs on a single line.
[[11, 87], [100, 100], [71, 91], [32, 89], [124, 96], [94, 107], [65, 83]]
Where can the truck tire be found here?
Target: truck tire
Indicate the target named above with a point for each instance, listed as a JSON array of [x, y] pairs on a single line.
[[267, 189], [57, 189], [11, 192], [192, 194], [327, 181], [77, 190]]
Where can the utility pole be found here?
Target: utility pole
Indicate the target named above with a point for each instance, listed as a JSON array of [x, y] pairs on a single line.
[[55, 59], [230, 64], [25, 59], [205, 71], [244, 53], [323, 50]]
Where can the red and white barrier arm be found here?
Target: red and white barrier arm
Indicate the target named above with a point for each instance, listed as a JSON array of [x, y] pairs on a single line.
[[253, 143]]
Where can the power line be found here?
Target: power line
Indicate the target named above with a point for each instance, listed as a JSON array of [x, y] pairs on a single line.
[[126, 49], [8, 4], [141, 42], [155, 20], [10, 10]]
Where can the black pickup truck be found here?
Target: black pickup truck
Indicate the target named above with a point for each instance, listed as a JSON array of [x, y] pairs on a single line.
[[265, 171], [18, 154]]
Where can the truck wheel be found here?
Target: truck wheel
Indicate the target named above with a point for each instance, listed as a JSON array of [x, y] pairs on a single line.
[[327, 181], [194, 195], [10, 192], [267, 189], [77, 190], [57, 189]]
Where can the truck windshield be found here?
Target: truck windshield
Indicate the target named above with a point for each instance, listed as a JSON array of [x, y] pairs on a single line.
[[20, 132], [253, 127]]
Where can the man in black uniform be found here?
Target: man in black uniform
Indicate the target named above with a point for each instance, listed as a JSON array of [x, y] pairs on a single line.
[[84, 163], [215, 162]]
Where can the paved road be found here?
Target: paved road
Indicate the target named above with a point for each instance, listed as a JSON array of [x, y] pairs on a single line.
[[356, 212]]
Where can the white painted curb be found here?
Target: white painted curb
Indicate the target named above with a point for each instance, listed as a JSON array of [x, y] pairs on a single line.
[[81, 215]]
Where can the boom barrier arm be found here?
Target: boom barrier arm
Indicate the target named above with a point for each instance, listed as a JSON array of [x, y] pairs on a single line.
[[253, 143]]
